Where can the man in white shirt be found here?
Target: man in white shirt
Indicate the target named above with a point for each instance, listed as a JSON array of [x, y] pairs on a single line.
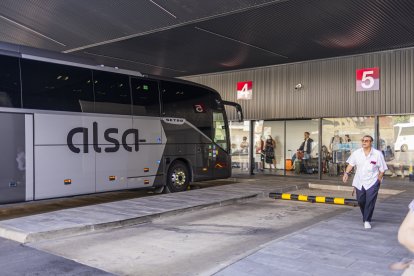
[[370, 168]]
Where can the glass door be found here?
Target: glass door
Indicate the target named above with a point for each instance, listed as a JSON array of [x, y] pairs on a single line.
[[340, 137], [396, 141], [239, 140], [302, 148]]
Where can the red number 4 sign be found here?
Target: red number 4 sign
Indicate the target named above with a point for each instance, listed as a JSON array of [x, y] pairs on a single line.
[[367, 79]]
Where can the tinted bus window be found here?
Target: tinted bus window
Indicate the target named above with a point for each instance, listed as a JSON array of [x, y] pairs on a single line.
[[145, 97], [9, 82], [111, 93], [56, 87], [405, 131], [189, 102]]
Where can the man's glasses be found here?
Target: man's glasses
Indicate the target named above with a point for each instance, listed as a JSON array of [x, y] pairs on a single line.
[[365, 140]]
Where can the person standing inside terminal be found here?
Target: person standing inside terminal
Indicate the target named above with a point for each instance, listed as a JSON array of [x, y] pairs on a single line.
[[244, 150], [269, 151], [370, 168], [305, 148]]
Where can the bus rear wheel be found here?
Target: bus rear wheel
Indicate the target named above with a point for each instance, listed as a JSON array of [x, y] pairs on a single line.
[[404, 148], [178, 177]]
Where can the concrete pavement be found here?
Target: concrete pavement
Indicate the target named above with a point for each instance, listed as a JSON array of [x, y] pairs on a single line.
[[337, 245], [134, 211], [18, 260]]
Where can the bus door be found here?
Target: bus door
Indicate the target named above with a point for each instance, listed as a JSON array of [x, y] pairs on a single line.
[[204, 161], [187, 123], [219, 149]]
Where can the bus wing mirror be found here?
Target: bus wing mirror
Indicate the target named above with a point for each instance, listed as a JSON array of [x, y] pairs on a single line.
[[238, 109]]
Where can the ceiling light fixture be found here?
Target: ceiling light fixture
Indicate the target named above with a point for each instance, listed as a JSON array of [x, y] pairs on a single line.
[[238, 41], [162, 8], [31, 30], [173, 26], [133, 61]]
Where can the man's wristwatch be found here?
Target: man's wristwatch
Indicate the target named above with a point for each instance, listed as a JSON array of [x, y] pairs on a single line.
[[346, 173]]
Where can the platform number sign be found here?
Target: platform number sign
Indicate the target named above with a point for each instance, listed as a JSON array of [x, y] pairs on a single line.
[[245, 90], [367, 79]]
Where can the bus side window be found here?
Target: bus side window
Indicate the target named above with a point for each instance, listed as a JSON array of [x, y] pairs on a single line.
[[10, 82], [192, 103], [112, 93], [54, 86], [145, 97]]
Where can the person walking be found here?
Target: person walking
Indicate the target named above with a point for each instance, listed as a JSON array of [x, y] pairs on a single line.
[[406, 231], [370, 168], [406, 238]]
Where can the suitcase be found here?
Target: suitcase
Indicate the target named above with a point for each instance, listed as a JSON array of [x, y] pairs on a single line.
[[308, 170], [288, 165], [333, 169]]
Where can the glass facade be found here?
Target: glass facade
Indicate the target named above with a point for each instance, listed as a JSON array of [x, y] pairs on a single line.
[[269, 145], [302, 141], [319, 148], [240, 146], [396, 141], [340, 137]]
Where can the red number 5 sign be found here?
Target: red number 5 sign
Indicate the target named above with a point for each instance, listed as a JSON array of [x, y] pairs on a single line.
[[367, 79]]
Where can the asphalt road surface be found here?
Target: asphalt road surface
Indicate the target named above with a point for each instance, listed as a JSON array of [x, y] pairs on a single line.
[[18, 260]]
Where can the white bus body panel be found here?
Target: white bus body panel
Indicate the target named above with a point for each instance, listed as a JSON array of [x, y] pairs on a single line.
[[151, 150], [54, 164], [94, 171], [52, 129], [29, 157]]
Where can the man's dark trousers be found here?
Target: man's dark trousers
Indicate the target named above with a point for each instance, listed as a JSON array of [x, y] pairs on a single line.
[[366, 200]]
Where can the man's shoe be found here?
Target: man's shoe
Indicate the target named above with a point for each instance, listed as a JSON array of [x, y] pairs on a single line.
[[367, 225], [394, 175]]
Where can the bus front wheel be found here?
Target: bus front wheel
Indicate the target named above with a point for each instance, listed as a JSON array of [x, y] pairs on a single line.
[[404, 148], [178, 177]]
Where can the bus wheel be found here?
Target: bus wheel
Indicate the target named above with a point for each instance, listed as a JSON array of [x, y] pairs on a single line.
[[178, 177], [404, 147]]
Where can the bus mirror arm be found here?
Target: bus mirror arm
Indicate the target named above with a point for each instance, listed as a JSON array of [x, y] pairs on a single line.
[[238, 109]]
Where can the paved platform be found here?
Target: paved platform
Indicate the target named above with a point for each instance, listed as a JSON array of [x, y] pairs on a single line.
[[338, 245], [134, 211]]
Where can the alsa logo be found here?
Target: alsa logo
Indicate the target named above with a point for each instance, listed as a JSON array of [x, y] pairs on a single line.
[[174, 121], [108, 136]]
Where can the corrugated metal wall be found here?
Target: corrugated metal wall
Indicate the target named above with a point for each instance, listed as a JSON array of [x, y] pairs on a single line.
[[328, 87]]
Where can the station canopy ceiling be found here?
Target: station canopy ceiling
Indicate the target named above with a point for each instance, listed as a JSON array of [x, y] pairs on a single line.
[[190, 37]]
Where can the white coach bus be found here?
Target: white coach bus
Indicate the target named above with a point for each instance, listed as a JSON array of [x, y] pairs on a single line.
[[70, 128]]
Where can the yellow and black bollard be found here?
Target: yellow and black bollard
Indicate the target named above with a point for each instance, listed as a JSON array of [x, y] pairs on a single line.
[[317, 199]]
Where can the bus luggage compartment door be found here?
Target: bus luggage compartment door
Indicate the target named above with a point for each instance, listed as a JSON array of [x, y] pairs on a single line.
[[14, 153], [59, 171]]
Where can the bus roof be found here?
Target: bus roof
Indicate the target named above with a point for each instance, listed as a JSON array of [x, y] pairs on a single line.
[[27, 52]]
